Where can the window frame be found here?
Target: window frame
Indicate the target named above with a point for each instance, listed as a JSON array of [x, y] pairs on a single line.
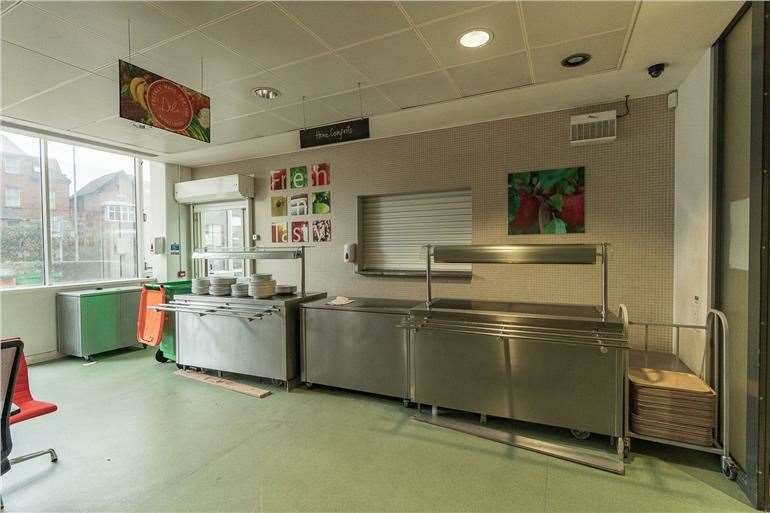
[[46, 211], [17, 203]]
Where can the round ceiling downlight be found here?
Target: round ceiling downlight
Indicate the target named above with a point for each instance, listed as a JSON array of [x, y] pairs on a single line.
[[475, 38], [575, 60], [267, 93]]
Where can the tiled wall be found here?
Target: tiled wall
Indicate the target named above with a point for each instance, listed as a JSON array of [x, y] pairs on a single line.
[[629, 204]]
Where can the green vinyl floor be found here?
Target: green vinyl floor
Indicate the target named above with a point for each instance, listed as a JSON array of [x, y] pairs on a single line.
[[132, 436]]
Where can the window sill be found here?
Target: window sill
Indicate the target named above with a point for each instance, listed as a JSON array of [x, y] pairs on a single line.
[[384, 273], [77, 285]]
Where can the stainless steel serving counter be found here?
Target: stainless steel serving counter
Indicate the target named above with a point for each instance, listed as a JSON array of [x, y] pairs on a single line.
[[357, 346], [256, 337], [560, 365]]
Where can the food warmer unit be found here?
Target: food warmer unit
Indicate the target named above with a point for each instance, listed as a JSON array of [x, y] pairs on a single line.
[[256, 337], [551, 364]]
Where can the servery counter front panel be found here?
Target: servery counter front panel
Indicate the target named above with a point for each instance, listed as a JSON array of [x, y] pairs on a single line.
[[243, 335], [357, 346], [564, 368]]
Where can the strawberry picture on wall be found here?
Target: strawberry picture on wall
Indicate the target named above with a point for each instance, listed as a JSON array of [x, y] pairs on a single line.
[[546, 202]]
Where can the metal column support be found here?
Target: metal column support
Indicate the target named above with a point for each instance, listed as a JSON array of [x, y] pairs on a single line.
[[429, 297], [605, 280]]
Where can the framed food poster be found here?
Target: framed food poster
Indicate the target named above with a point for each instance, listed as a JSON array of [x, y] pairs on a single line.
[[278, 180], [298, 205], [550, 202], [299, 231], [280, 233], [298, 177], [278, 206], [322, 203], [320, 175], [322, 230], [152, 100]]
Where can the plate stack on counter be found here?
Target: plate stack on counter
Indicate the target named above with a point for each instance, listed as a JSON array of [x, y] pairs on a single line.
[[261, 285], [240, 288], [200, 286], [676, 406], [220, 285]]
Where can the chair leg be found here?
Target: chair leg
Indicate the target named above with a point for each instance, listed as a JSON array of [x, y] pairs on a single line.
[[25, 457]]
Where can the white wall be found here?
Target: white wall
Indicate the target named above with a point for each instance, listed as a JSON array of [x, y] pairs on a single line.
[[692, 207]]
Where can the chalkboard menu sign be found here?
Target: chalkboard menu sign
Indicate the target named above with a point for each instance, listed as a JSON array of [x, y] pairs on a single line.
[[333, 134]]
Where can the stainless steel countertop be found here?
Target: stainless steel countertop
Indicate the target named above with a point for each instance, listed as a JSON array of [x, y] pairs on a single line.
[[275, 300], [573, 317], [367, 304]]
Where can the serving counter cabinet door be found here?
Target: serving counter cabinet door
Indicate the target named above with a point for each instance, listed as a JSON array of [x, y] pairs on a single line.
[[359, 347], [576, 386]]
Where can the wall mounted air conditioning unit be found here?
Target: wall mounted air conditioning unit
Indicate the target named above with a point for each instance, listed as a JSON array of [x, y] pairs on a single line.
[[595, 127], [220, 188]]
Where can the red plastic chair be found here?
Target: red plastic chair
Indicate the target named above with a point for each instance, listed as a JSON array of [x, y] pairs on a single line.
[[29, 408], [22, 397]]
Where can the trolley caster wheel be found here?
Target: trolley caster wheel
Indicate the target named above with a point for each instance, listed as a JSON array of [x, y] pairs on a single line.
[[580, 435], [406, 403], [308, 385], [179, 366], [729, 470], [159, 357]]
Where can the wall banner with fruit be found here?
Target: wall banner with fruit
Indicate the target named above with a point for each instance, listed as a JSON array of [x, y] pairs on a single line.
[[548, 202], [156, 101]]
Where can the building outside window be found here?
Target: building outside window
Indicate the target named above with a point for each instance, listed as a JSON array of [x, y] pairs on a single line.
[[12, 197], [91, 216]]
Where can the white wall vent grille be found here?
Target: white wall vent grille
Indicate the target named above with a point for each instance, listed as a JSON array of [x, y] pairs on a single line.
[[594, 127]]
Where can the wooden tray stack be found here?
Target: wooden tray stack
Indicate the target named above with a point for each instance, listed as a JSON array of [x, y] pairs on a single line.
[[676, 406]]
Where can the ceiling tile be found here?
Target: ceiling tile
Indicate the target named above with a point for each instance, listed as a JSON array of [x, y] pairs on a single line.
[[180, 60], [39, 73], [340, 23], [316, 77], [77, 103], [390, 58], [501, 19], [605, 52], [123, 132], [426, 11], [198, 13], [350, 105], [492, 75], [265, 35], [6, 5], [47, 34], [422, 90], [552, 22], [224, 106], [315, 113], [248, 127], [111, 71], [148, 25]]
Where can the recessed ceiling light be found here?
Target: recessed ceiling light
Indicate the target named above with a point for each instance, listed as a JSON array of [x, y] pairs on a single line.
[[475, 38], [267, 93], [575, 60]]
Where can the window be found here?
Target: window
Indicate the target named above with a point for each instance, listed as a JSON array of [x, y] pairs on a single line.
[[21, 222], [12, 197], [91, 216], [394, 228], [221, 226]]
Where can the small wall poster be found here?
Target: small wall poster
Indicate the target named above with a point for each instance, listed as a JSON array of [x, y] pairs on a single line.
[[299, 231], [298, 177], [551, 201], [278, 206], [278, 180], [298, 205], [320, 175], [280, 233], [322, 203], [322, 230]]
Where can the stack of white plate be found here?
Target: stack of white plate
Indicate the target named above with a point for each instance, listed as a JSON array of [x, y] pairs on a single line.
[[239, 289], [200, 286], [261, 285], [220, 285]]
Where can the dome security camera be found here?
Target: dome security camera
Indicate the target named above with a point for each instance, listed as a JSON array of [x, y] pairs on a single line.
[[656, 70]]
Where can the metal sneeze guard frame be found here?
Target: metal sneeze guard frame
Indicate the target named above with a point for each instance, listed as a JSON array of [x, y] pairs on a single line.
[[578, 254], [254, 253]]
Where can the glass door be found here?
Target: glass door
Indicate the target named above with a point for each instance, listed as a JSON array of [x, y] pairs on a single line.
[[221, 225]]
